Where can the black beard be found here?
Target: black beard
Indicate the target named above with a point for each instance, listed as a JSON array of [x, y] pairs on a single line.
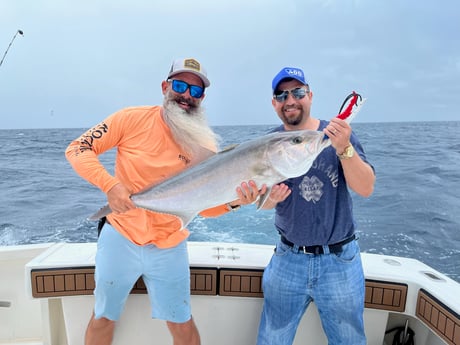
[[293, 121]]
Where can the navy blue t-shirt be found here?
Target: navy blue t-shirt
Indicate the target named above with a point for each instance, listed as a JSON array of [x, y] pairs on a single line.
[[319, 210]]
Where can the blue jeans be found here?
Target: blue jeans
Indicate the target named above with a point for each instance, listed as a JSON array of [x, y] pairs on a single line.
[[335, 282]]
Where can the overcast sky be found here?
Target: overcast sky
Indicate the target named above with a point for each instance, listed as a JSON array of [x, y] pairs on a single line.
[[79, 61]]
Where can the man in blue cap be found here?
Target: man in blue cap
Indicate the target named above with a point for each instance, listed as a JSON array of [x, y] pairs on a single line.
[[317, 258]]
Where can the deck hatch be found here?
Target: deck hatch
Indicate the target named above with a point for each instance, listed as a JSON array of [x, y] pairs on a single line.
[[203, 281], [243, 283], [441, 319], [80, 281], [75, 281], [385, 295], [62, 282]]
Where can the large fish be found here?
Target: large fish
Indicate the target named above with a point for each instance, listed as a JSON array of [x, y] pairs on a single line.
[[269, 160]]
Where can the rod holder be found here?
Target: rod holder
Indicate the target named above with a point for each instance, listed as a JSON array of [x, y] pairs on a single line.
[[5, 304]]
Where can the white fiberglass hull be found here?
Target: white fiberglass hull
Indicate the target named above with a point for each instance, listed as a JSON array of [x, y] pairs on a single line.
[[46, 298]]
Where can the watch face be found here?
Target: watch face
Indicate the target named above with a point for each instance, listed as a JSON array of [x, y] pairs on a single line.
[[349, 151]]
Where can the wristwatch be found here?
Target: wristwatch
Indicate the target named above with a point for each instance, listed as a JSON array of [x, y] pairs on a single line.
[[347, 153]]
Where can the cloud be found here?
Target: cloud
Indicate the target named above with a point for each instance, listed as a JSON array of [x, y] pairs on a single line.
[[83, 60]]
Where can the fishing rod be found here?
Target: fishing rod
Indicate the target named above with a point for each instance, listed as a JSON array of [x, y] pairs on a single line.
[[9, 45]]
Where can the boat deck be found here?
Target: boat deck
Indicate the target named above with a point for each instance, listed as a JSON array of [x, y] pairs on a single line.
[[227, 297]]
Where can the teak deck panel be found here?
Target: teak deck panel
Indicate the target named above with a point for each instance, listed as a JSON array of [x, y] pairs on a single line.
[[61, 282], [438, 317]]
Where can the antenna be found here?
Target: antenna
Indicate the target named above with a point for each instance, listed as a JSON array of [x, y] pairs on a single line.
[[9, 45]]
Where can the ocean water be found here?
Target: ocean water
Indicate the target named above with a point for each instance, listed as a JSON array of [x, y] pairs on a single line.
[[414, 211]]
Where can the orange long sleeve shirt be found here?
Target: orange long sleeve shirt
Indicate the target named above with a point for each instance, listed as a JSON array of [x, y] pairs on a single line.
[[146, 154]]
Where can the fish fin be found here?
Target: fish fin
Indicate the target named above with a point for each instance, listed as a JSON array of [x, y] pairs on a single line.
[[229, 148], [184, 217], [263, 198], [104, 211], [201, 156]]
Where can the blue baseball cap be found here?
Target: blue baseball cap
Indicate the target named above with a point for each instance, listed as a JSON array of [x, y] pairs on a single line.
[[288, 72]]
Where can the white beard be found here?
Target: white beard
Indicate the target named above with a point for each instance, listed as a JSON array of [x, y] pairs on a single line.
[[190, 129]]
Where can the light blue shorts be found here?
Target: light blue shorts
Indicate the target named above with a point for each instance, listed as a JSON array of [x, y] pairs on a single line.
[[120, 263]]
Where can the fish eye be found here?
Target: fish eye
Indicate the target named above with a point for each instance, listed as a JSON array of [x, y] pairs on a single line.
[[297, 140]]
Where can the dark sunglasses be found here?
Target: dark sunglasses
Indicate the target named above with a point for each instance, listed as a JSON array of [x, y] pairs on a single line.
[[180, 86], [297, 93]]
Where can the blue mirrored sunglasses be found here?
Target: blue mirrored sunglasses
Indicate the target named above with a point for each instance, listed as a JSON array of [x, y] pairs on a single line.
[[297, 93], [180, 86]]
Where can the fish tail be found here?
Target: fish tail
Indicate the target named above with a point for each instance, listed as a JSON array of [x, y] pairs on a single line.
[[355, 102], [104, 211]]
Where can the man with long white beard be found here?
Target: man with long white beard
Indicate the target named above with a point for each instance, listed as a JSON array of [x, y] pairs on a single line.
[[153, 143]]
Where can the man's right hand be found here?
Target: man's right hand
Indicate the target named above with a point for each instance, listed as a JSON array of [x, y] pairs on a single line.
[[119, 199]]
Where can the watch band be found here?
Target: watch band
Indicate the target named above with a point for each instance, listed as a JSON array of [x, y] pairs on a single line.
[[347, 153]]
